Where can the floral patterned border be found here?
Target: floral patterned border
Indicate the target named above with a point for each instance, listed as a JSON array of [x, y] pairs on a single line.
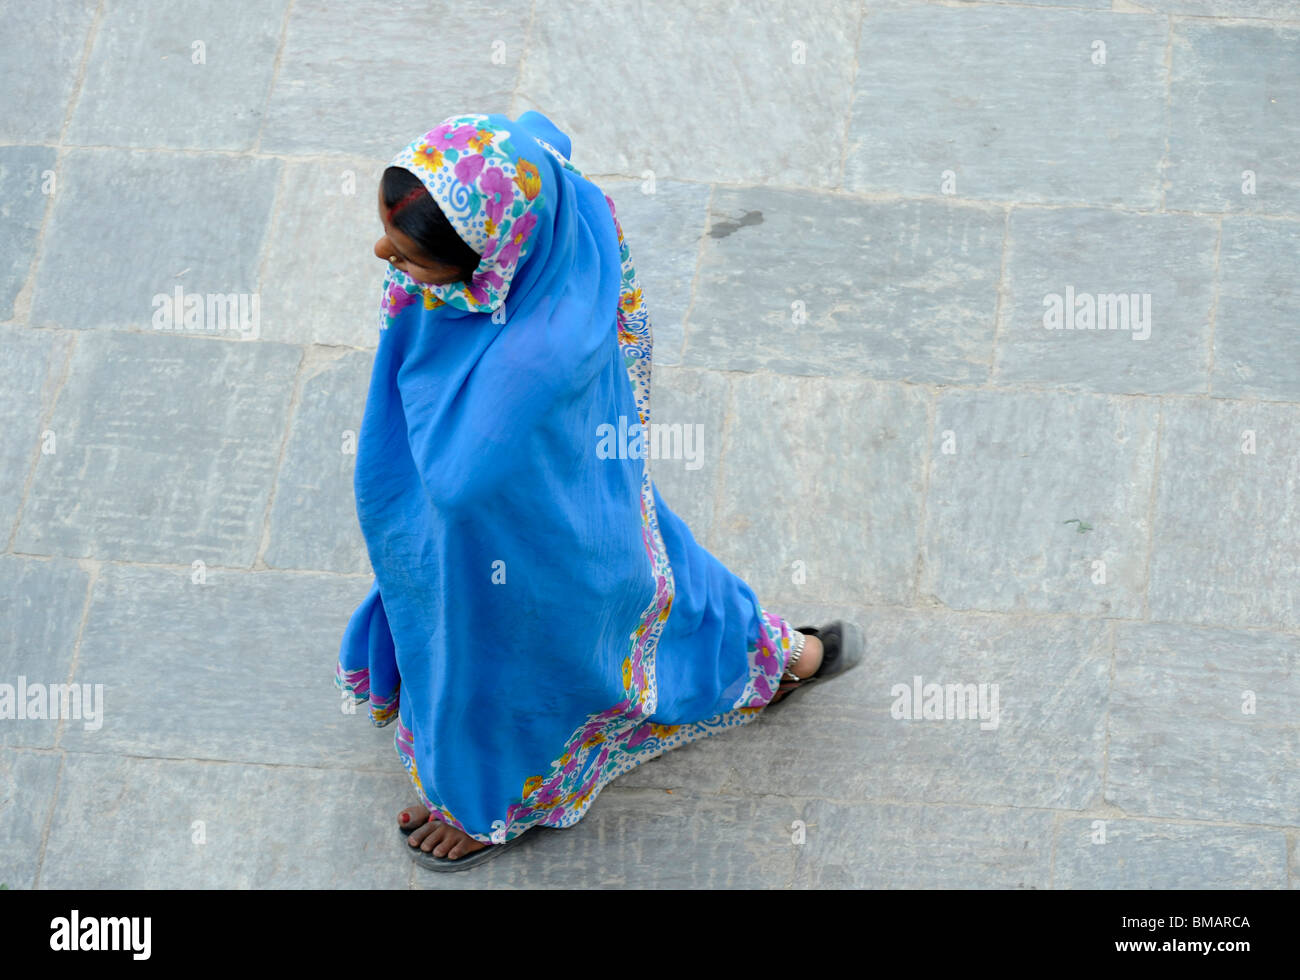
[[356, 685]]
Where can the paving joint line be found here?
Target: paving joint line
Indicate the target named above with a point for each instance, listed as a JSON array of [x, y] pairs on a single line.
[[68, 346], [275, 74], [852, 91]]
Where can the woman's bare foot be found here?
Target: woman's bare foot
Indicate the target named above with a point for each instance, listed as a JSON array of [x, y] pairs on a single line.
[[809, 661], [435, 837]]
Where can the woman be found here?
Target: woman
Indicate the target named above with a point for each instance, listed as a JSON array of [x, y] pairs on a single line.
[[540, 621]]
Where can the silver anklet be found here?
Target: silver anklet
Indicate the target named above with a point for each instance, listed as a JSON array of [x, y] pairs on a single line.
[[798, 651]]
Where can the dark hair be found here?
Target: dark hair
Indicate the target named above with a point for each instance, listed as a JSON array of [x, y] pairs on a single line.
[[423, 222]]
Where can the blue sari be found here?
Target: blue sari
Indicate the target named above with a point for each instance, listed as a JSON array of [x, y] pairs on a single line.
[[540, 621]]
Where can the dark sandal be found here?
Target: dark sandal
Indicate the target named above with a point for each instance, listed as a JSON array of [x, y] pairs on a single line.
[[433, 863], [842, 648], [427, 860]]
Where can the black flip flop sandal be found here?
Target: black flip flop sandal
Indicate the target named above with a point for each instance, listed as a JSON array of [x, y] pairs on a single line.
[[426, 860], [843, 647]]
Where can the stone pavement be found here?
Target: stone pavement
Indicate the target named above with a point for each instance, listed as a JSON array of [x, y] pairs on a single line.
[[851, 220]]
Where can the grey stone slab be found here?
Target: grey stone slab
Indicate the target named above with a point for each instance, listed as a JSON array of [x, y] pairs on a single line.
[[1231, 110], [648, 839], [22, 207], [41, 603], [1142, 855], [1127, 297], [417, 65], [40, 57], [1203, 724], [1022, 466], [239, 667], [821, 488], [757, 91], [27, 785], [1256, 343], [693, 403], [314, 516], [30, 362], [1025, 115], [842, 741], [804, 283], [1223, 546], [322, 283], [183, 824], [166, 449], [194, 76], [1090, 4], [1087, 4], [141, 225], [892, 846], [663, 222], [1274, 9]]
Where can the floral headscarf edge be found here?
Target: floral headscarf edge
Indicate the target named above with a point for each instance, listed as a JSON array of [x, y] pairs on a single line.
[[491, 196]]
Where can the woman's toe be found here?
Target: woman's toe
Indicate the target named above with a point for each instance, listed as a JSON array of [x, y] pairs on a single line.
[[434, 838], [412, 816], [421, 834]]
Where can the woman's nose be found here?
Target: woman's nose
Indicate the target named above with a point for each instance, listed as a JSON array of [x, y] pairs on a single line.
[[382, 250]]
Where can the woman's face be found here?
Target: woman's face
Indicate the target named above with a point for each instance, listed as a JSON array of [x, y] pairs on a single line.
[[395, 245]]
